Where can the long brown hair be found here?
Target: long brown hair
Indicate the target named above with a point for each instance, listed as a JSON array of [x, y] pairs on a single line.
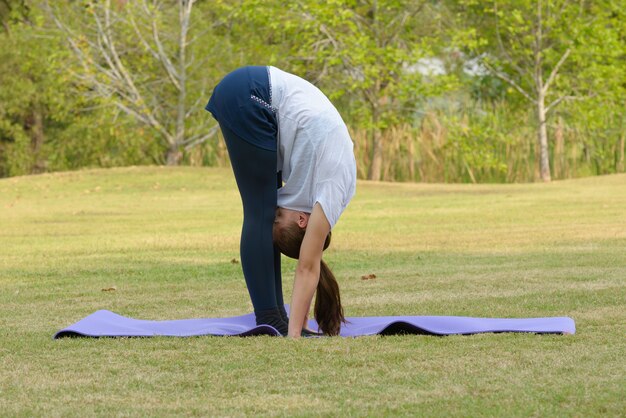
[[328, 311]]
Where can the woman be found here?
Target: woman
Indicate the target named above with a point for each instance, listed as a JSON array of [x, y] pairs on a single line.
[[283, 133]]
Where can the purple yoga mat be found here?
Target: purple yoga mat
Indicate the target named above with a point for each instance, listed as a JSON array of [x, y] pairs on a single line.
[[108, 324]]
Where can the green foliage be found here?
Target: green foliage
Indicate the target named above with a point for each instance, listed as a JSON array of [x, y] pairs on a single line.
[[39, 87], [368, 56], [34, 91], [12, 11], [551, 52], [367, 52]]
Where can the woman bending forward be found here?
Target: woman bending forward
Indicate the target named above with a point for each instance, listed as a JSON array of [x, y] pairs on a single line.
[[294, 164]]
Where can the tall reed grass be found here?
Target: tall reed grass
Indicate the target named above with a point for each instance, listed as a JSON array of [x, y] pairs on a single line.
[[490, 145], [477, 143]]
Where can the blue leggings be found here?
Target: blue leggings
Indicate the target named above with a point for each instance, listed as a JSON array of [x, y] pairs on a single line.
[[255, 173], [241, 103]]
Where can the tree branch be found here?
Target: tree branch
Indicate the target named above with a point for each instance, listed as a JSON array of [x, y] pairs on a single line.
[[503, 50], [405, 17], [197, 139], [509, 80], [138, 101], [143, 41], [562, 98], [163, 58], [193, 107], [555, 71]]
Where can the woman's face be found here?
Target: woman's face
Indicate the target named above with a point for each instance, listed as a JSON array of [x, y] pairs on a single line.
[[285, 217]]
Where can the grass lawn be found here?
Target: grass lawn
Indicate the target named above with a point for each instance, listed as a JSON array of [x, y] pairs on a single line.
[[165, 238]]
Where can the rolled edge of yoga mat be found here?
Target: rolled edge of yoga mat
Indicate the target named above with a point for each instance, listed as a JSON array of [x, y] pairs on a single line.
[[455, 325]]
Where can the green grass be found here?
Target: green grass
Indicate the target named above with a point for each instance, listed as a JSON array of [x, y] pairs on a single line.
[[165, 239]]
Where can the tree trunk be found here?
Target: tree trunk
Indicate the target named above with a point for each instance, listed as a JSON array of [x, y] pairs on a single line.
[[174, 155], [544, 153], [541, 89], [377, 155], [376, 162], [37, 139], [559, 146], [410, 139], [620, 162]]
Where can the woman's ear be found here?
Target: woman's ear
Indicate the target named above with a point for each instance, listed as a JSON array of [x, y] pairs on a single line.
[[303, 219]]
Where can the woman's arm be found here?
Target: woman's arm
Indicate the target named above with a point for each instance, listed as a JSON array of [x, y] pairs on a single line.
[[308, 269]]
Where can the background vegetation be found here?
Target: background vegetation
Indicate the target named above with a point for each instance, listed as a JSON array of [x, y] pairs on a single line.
[[432, 90]]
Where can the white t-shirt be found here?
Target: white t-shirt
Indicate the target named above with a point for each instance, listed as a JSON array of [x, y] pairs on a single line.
[[315, 151]]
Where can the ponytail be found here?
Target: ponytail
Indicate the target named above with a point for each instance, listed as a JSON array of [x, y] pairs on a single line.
[[328, 311]]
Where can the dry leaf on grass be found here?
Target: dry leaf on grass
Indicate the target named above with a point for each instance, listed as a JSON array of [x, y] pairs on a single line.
[[109, 289], [368, 277]]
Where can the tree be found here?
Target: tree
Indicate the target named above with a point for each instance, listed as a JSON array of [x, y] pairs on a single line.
[[602, 64], [11, 11], [139, 56], [45, 123], [28, 88], [529, 44], [364, 52]]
